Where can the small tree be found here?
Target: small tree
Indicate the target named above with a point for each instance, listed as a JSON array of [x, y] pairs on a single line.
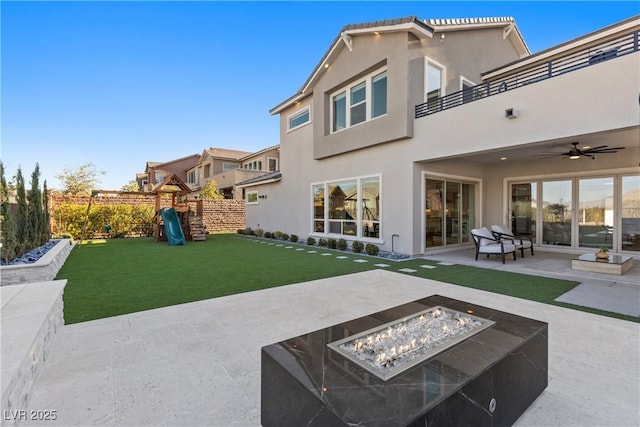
[[79, 181], [210, 191], [22, 224], [35, 213], [46, 223], [8, 232], [131, 186]]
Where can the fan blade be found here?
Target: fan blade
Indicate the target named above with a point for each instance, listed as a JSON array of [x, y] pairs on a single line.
[[548, 155], [605, 150], [594, 148]]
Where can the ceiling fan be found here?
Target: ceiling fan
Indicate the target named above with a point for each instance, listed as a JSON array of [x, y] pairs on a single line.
[[575, 152]]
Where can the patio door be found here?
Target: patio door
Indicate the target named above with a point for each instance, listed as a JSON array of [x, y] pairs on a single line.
[[449, 212], [524, 209]]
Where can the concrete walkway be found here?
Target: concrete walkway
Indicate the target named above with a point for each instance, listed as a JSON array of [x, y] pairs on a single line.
[[199, 363]]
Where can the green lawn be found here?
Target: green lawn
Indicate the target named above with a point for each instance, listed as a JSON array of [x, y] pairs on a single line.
[[112, 277]]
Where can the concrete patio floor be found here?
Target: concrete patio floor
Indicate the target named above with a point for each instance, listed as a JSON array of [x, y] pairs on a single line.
[[199, 363]]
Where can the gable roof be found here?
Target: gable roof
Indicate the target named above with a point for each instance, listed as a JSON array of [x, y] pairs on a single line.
[[409, 24], [507, 23], [223, 154], [419, 28]]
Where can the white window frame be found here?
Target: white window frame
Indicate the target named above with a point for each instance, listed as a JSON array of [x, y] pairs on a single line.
[[463, 81], [274, 159], [297, 114], [359, 221], [367, 79], [443, 77], [250, 193]]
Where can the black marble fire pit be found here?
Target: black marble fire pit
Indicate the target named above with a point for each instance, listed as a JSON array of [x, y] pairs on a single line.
[[485, 378]]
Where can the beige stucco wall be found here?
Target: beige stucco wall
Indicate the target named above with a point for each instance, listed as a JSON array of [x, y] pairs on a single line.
[[592, 100]]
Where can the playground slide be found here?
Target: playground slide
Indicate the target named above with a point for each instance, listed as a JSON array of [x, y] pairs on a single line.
[[172, 228]]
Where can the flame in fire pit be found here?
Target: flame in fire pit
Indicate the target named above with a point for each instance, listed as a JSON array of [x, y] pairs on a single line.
[[392, 348]]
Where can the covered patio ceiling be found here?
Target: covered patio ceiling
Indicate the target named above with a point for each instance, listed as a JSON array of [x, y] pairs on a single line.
[[628, 138]]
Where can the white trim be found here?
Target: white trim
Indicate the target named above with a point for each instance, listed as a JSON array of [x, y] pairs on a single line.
[[477, 194], [326, 234], [256, 202], [277, 164], [297, 113], [368, 81], [443, 77], [467, 81]]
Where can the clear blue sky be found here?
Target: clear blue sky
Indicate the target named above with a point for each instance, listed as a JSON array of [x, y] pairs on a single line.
[[122, 83]]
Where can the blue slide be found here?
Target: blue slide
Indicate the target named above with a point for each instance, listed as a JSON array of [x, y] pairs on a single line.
[[172, 228]]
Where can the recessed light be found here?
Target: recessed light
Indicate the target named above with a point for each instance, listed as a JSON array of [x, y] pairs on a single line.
[[503, 158], [326, 65]]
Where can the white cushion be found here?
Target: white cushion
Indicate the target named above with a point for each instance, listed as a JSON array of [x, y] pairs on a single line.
[[502, 229], [484, 232]]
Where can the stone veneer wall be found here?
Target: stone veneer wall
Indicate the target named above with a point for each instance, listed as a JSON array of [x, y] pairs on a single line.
[[43, 270], [31, 315], [224, 215]]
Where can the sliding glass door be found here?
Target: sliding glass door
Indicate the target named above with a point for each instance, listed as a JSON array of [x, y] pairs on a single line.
[[579, 212], [449, 212]]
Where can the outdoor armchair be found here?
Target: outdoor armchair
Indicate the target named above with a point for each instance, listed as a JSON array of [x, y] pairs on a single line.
[[503, 232], [487, 243]]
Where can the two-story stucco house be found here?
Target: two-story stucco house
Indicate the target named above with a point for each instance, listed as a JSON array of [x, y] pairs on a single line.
[[230, 167], [155, 172], [409, 133]]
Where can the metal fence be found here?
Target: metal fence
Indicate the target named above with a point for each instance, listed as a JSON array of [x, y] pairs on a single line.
[[595, 54]]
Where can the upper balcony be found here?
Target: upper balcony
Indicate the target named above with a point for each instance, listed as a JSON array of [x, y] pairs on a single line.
[[594, 54]]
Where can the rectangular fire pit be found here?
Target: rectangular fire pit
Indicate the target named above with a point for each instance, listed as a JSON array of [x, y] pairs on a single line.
[[394, 347], [487, 370]]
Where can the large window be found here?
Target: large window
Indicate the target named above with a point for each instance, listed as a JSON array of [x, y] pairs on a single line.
[[630, 212], [449, 211], [349, 207], [363, 100]]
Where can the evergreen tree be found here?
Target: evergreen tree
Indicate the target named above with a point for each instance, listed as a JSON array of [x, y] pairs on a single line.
[[22, 223], [34, 207], [46, 220], [7, 235]]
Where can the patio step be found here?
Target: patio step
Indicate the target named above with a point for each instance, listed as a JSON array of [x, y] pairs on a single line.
[[31, 315]]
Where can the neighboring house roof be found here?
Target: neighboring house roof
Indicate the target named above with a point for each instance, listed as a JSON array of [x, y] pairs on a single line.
[[419, 28], [225, 153], [262, 179], [264, 150]]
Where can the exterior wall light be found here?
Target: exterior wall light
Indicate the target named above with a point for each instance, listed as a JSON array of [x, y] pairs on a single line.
[[511, 113]]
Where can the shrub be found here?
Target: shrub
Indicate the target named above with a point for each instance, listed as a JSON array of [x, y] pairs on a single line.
[[267, 234], [123, 220], [372, 249], [293, 238], [322, 242], [342, 244], [285, 236], [258, 232], [249, 231], [311, 241], [277, 234], [331, 243], [357, 247]]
